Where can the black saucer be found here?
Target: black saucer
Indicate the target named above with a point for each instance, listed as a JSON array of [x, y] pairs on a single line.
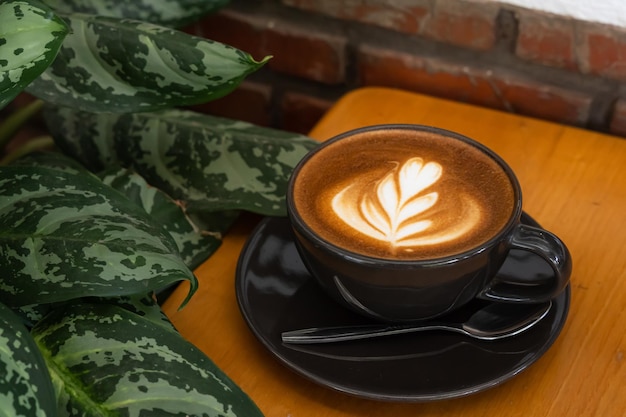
[[275, 293]]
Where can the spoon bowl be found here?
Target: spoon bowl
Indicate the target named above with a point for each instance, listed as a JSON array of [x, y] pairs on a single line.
[[492, 322]]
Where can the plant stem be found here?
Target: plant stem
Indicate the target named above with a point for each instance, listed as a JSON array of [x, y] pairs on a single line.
[[15, 121], [32, 145]]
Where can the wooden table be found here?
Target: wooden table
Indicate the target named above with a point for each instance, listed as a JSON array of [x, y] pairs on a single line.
[[574, 184]]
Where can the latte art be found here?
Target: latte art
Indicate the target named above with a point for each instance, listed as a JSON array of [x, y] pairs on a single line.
[[402, 194], [399, 209]]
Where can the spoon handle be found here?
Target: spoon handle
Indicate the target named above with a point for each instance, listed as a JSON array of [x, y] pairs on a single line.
[[495, 321], [345, 333]]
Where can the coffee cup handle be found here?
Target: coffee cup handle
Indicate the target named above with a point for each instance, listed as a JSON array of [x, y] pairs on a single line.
[[548, 247]]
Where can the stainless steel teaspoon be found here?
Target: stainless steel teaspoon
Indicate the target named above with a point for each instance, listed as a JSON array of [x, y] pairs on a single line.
[[492, 322]]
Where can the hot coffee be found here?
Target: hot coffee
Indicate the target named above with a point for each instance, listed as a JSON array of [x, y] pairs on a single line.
[[403, 194], [409, 222]]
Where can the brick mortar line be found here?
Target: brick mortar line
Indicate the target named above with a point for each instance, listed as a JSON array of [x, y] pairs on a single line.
[[283, 84], [601, 112], [507, 31]]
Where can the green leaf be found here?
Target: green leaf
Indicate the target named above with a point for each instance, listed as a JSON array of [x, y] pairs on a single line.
[[171, 13], [144, 305], [32, 313], [208, 163], [113, 65], [196, 238], [25, 386], [30, 37], [54, 160], [194, 243], [138, 369], [66, 235]]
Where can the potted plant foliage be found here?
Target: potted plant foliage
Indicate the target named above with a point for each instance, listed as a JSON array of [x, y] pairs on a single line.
[[136, 193]]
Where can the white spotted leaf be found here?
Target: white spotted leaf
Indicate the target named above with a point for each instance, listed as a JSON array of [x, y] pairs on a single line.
[[139, 368], [107, 64], [64, 235], [164, 12], [208, 163], [30, 37], [25, 386]]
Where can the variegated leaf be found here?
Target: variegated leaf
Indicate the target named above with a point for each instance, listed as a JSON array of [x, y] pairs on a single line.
[[53, 160], [30, 37], [144, 305], [25, 386], [138, 369], [172, 13], [114, 65], [209, 163], [195, 239], [194, 244], [65, 235], [31, 314]]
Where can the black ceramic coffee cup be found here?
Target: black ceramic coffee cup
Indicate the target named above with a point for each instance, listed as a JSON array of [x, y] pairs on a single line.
[[409, 222]]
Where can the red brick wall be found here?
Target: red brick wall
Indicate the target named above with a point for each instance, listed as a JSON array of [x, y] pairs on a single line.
[[492, 55]]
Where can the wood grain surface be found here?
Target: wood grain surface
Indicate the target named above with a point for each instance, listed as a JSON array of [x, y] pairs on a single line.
[[574, 184]]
